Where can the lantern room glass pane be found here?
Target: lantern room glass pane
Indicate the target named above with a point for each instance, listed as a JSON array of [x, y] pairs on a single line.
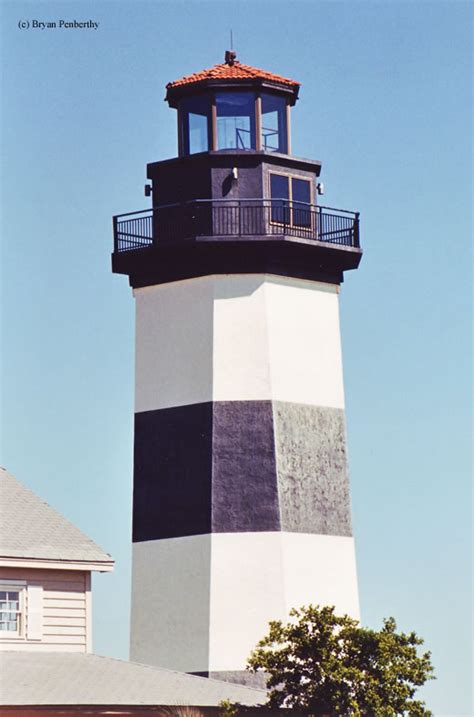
[[195, 124], [198, 141], [274, 131], [235, 120]]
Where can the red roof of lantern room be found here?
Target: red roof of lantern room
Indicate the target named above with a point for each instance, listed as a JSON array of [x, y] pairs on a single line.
[[232, 69]]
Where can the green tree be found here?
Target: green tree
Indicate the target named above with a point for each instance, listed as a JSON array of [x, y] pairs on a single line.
[[332, 666], [228, 708]]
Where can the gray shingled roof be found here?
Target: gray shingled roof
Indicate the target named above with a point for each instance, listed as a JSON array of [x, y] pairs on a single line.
[[30, 528], [59, 678]]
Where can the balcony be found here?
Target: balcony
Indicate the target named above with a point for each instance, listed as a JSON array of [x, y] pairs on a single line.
[[239, 235], [234, 219]]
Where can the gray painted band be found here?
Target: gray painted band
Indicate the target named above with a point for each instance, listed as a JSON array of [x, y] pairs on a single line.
[[238, 677], [240, 466], [311, 458]]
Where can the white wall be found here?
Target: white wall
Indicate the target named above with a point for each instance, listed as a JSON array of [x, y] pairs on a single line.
[[170, 603], [62, 618], [174, 337], [202, 602], [225, 338]]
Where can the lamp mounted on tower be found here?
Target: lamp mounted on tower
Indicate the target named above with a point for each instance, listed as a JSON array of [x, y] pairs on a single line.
[[241, 496]]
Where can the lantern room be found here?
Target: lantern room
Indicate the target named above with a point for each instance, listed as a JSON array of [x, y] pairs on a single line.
[[235, 198], [233, 106]]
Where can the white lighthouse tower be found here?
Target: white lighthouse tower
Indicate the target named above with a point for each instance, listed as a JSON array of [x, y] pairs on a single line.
[[241, 504]]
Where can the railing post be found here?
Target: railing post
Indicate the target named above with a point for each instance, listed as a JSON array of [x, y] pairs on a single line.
[[195, 218], [114, 221], [356, 231]]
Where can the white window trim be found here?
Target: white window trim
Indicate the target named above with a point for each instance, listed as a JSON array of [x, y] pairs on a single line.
[[31, 611], [18, 586], [34, 627]]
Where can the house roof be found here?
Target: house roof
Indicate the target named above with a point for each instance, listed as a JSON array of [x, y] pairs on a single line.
[[59, 678], [31, 530]]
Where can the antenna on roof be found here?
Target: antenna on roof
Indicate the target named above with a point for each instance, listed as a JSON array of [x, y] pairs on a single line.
[[231, 40]]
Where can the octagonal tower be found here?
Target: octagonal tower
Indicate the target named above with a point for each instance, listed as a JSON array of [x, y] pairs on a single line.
[[241, 504]]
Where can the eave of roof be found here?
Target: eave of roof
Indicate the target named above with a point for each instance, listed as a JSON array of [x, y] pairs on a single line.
[[85, 565], [230, 74], [236, 71]]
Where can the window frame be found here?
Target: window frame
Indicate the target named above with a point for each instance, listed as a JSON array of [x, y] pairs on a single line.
[[184, 110], [291, 209], [282, 132], [20, 588], [253, 121]]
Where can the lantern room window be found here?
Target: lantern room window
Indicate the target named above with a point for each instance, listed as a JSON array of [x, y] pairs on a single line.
[[274, 129], [235, 120], [195, 123]]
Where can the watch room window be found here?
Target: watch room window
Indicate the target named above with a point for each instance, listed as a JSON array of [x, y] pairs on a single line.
[[290, 200]]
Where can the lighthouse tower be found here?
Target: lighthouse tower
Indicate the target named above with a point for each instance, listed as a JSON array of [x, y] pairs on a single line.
[[241, 504]]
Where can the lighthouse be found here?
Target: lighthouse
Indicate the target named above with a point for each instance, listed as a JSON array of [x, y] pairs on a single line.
[[241, 506]]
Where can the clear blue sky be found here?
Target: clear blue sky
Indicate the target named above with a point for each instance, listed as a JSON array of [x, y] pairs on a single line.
[[385, 105]]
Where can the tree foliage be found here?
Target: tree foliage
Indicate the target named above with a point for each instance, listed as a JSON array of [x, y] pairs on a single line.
[[332, 666], [228, 708]]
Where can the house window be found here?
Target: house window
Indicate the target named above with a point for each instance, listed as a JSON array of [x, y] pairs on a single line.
[[10, 612], [291, 201]]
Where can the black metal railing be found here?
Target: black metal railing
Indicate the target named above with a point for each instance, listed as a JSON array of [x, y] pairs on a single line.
[[133, 231], [235, 218]]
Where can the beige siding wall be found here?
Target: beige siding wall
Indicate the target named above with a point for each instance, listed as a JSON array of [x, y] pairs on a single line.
[[66, 619]]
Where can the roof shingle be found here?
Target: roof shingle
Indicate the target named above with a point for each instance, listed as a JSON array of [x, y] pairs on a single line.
[[52, 678], [30, 528], [234, 71]]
